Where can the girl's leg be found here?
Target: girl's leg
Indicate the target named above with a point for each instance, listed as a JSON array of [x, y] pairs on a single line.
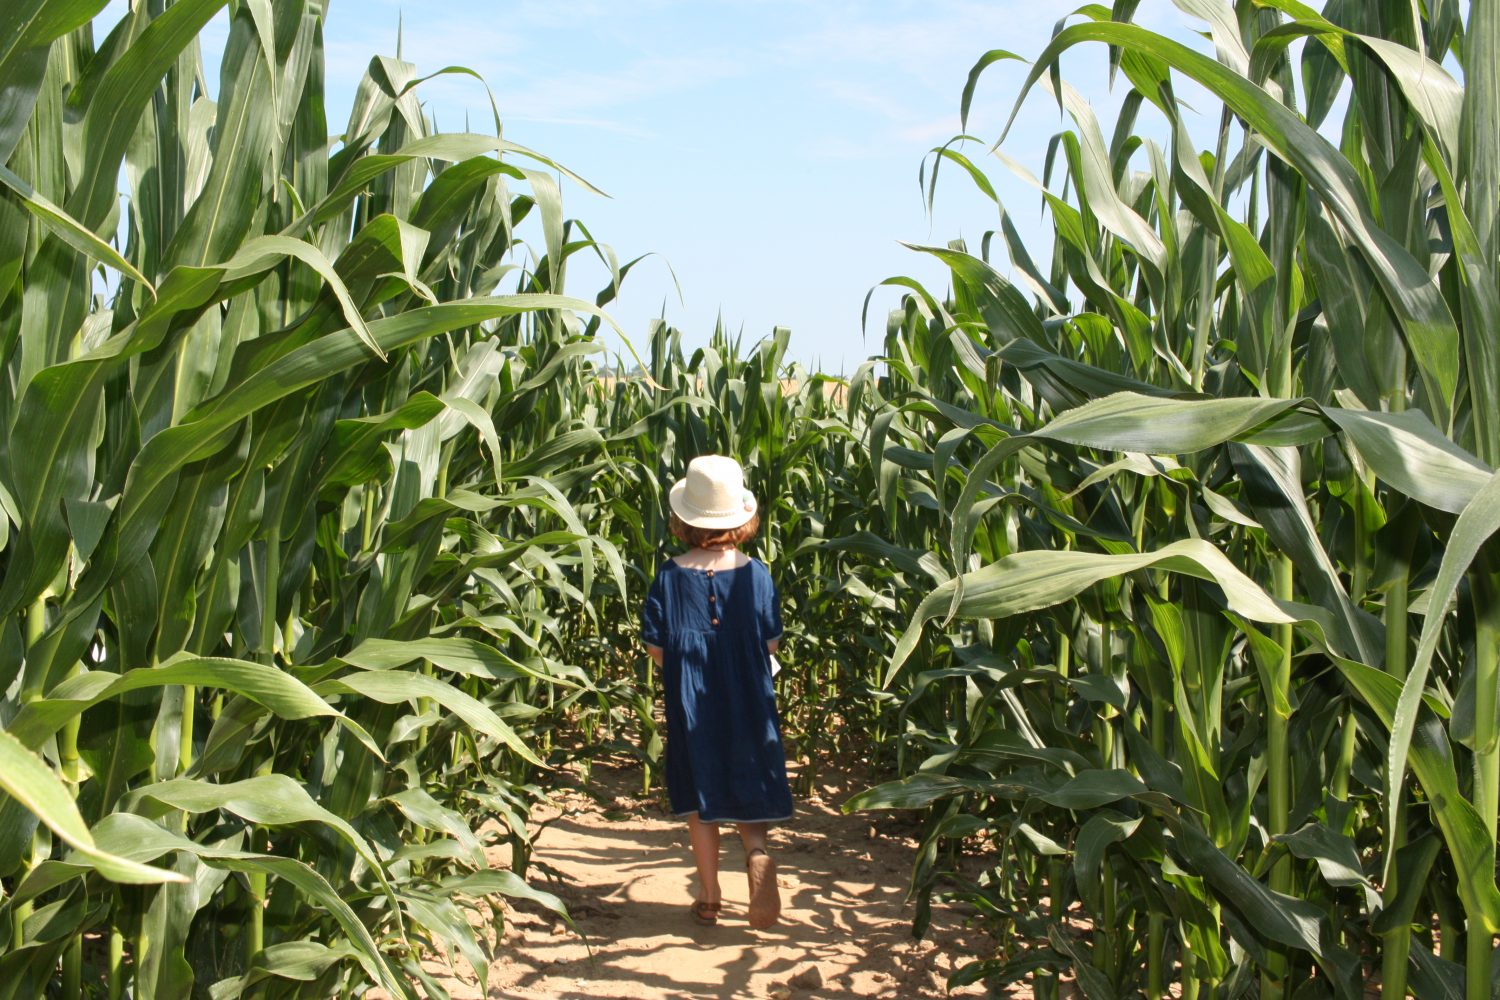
[[765, 897], [705, 838], [753, 836]]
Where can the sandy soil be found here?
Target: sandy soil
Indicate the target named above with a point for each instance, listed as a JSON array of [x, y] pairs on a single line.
[[627, 878]]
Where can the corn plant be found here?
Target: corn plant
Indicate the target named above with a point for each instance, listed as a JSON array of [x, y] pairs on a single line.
[[1168, 586], [283, 544], [1192, 493], [799, 437]]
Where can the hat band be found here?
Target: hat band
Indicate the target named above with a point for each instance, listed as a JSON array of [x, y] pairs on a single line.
[[706, 512]]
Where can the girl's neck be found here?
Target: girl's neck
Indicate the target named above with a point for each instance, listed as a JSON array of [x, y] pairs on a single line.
[[700, 558]]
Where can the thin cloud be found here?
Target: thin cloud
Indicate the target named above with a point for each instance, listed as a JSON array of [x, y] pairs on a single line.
[[865, 98], [935, 131], [519, 59], [930, 42], [584, 93], [838, 147], [601, 124]]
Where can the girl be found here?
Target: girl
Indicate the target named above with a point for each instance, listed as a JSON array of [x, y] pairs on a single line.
[[712, 622]]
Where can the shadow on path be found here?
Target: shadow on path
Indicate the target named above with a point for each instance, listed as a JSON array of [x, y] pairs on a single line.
[[626, 874], [628, 881]]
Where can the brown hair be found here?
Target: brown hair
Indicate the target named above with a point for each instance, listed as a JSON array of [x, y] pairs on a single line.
[[714, 538]]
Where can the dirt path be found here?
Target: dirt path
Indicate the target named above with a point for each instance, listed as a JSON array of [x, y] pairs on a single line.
[[627, 878]]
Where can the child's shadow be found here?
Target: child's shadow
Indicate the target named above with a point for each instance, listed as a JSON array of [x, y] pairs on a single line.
[[632, 884]]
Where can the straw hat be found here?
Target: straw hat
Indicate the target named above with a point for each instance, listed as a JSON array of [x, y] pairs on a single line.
[[712, 494]]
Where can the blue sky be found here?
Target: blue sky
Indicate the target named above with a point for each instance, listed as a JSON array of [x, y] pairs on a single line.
[[768, 150]]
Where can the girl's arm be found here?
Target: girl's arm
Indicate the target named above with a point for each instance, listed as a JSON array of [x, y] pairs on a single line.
[[654, 621], [769, 610]]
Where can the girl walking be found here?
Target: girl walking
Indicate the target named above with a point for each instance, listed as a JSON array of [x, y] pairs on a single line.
[[712, 621]]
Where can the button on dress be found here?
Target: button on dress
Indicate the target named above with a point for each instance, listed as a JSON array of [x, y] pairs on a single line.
[[724, 755]]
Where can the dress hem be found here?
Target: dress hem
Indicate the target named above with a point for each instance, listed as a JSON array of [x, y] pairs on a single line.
[[773, 819]]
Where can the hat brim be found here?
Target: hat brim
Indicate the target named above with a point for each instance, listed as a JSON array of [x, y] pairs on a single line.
[[696, 518]]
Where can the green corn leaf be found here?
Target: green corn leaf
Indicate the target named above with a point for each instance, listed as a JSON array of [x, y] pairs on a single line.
[[112, 113], [299, 961], [1415, 299], [464, 657], [1095, 788], [69, 230], [1285, 919], [140, 838], [1478, 522], [443, 920], [1030, 581], [245, 142], [30, 782], [1094, 838], [265, 252], [1430, 757], [1273, 484], [1093, 983], [988, 59], [425, 811], [1436, 977], [273, 689], [1335, 856], [392, 687], [27, 28], [267, 799], [1405, 450], [59, 409]]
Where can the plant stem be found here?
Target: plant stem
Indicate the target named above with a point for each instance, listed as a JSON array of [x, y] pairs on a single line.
[[36, 627], [1207, 269], [1478, 954], [72, 969], [1046, 980], [142, 949], [116, 962], [1105, 946], [1156, 924], [67, 757], [1278, 776], [67, 748], [1395, 946], [1338, 786], [1450, 927], [255, 933], [185, 737]]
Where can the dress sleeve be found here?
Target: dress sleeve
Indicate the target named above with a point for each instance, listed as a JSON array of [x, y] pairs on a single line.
[[769, 610], [654, 615]]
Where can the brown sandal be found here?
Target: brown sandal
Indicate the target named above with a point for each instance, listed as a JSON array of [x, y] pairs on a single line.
[[706, 914], [765, 897]]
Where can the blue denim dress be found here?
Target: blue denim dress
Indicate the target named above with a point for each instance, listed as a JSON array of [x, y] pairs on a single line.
[[725, 760]]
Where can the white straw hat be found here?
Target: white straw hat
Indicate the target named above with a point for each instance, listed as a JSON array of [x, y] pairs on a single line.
[[713, 494]]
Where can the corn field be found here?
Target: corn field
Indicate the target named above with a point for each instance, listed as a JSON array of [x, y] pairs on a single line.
[[1155, 580]]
